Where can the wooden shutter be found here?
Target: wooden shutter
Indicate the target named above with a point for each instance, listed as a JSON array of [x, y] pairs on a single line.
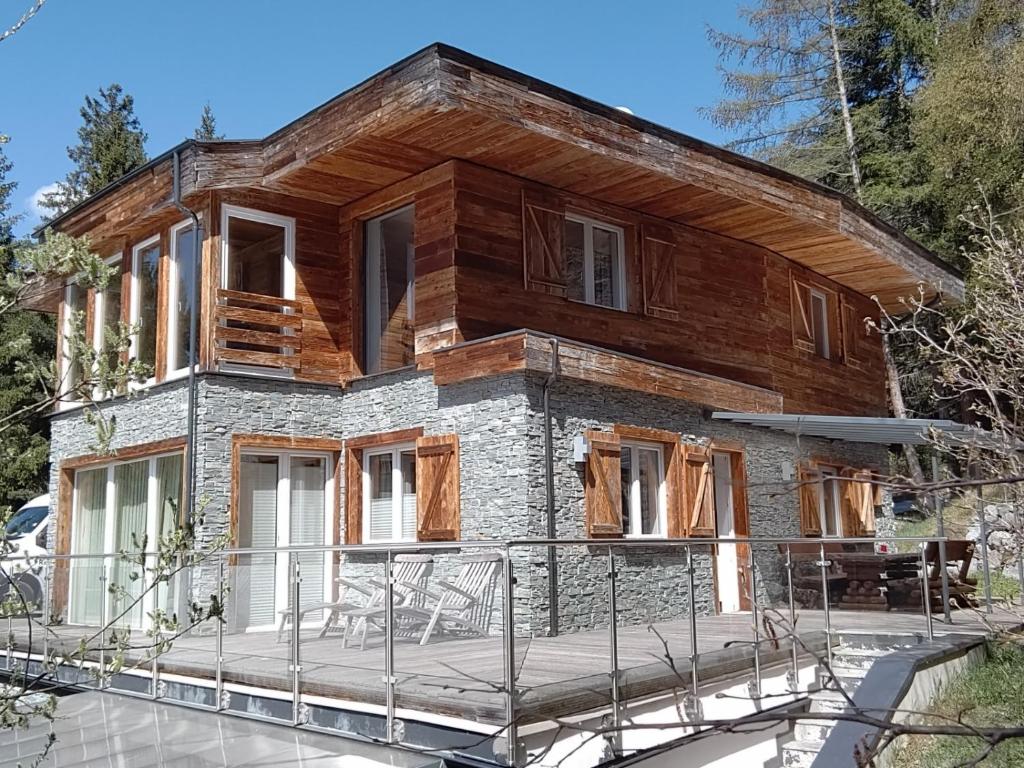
[[675, 485], [850, 503], [810, 511], [543, 254], [602, 489], [800, 309], [353, 496], [437, 488], [854, 332], [863, 496], [700, 491], [661, 297]]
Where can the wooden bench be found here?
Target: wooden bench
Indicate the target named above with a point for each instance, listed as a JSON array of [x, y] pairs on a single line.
[[962, 586]]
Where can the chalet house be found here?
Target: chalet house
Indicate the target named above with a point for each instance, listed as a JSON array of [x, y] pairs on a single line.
[[457, 303]]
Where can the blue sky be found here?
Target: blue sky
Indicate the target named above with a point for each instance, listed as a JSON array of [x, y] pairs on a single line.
[[262, 63]]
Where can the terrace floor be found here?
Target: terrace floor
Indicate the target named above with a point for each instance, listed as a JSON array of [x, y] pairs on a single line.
[[555, 675]]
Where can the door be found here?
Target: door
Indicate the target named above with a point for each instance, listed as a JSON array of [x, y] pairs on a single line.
[[283, 500], [726, 560]]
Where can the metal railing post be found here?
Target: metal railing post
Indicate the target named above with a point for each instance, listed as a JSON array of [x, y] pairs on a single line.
[[986, 574], [219, 661], [44, 619], [613, 648], [9, 598], [755, 616], [941, 531], [824, 564], [925, 595], [692, 597], [794, 673], [389, 647], [509, 641], [296, 622], [1020, 570], [104, 619]]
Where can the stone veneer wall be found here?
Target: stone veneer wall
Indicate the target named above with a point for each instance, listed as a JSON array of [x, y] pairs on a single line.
[[500, 426]]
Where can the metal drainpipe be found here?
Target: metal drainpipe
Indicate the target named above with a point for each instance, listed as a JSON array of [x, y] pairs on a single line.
[[193, 327], [549, 461]]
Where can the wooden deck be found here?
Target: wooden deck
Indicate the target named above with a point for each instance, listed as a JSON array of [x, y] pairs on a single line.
[[555, 675]]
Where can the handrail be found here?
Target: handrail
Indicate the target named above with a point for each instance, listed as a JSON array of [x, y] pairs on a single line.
[[419, 546]]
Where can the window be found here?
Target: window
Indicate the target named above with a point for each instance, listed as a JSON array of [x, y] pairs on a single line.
[[390, 295], [819, 323], [595, 271], [389, 494], [107, 317], [830, 501], [123, 506], [179, 300], [145, 282], [642, 468], [284, 499], [73, 321]]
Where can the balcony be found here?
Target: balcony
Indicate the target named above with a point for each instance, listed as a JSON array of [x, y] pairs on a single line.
[[257, 332]]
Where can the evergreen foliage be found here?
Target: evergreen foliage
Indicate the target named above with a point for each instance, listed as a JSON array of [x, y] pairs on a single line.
[[111, 143], [207, 130]]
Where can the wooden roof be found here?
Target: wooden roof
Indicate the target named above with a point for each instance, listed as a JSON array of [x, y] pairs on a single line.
[[444, 103]]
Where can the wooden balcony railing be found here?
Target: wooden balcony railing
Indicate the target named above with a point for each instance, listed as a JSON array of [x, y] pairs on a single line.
[[252, 329]]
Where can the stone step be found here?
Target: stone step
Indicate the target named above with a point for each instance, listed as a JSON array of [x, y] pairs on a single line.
[[857, 658], [828, 701], [800, 754], [813, 729]]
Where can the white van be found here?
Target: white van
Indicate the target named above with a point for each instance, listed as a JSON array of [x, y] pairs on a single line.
[[26, 530]]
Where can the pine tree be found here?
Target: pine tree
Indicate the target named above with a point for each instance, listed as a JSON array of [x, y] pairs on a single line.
[[207, 130], [27, 344], [110, 144]]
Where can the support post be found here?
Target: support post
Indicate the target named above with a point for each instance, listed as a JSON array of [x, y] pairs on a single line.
[[296, 659], [44, 619], [756, 618], [509, 641], [694, 657], [389, 646], [613, 648], [925, 597], [219, 672], [104, 618], [824, 564], [940, 530], [794, 673], [985, 572]]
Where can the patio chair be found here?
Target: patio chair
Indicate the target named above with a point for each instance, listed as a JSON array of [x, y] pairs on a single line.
[[463, 607], [412, 569]]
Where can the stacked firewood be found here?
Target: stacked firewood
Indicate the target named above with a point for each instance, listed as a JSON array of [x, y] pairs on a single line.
[[866, 595]]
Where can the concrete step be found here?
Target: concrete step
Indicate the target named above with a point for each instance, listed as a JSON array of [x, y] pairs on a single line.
[[800, 754], [828, 701], [857, 658], [813, 729], [880, 641]]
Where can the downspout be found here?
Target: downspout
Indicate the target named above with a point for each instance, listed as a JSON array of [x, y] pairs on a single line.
[[193, 327], [549, 468]]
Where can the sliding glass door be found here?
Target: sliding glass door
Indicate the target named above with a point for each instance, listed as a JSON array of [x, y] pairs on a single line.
[[127, 508], [284, 499]]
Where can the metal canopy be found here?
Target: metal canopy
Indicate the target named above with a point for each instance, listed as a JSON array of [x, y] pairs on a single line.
[[863, 429]]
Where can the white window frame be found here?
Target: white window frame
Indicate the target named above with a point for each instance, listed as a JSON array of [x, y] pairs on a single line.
[[829, 483], [395, 450], [588, 259], [228, 212], [172, 298], [152, 520], [99, 300], [282, 598], [65, 356], [135, 303], [371, 249], [634, 511], [826, 353]]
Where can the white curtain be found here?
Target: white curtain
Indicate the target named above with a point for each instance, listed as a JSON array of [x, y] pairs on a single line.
[[85, 605], [382, 508], [131, 494], [256, 577], [168, 500], [409, 495], [307, 508]]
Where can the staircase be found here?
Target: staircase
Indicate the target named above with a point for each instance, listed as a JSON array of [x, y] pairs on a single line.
[[851, 660]]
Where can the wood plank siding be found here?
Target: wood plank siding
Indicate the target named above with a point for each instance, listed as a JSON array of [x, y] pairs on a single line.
[[716, 246]]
